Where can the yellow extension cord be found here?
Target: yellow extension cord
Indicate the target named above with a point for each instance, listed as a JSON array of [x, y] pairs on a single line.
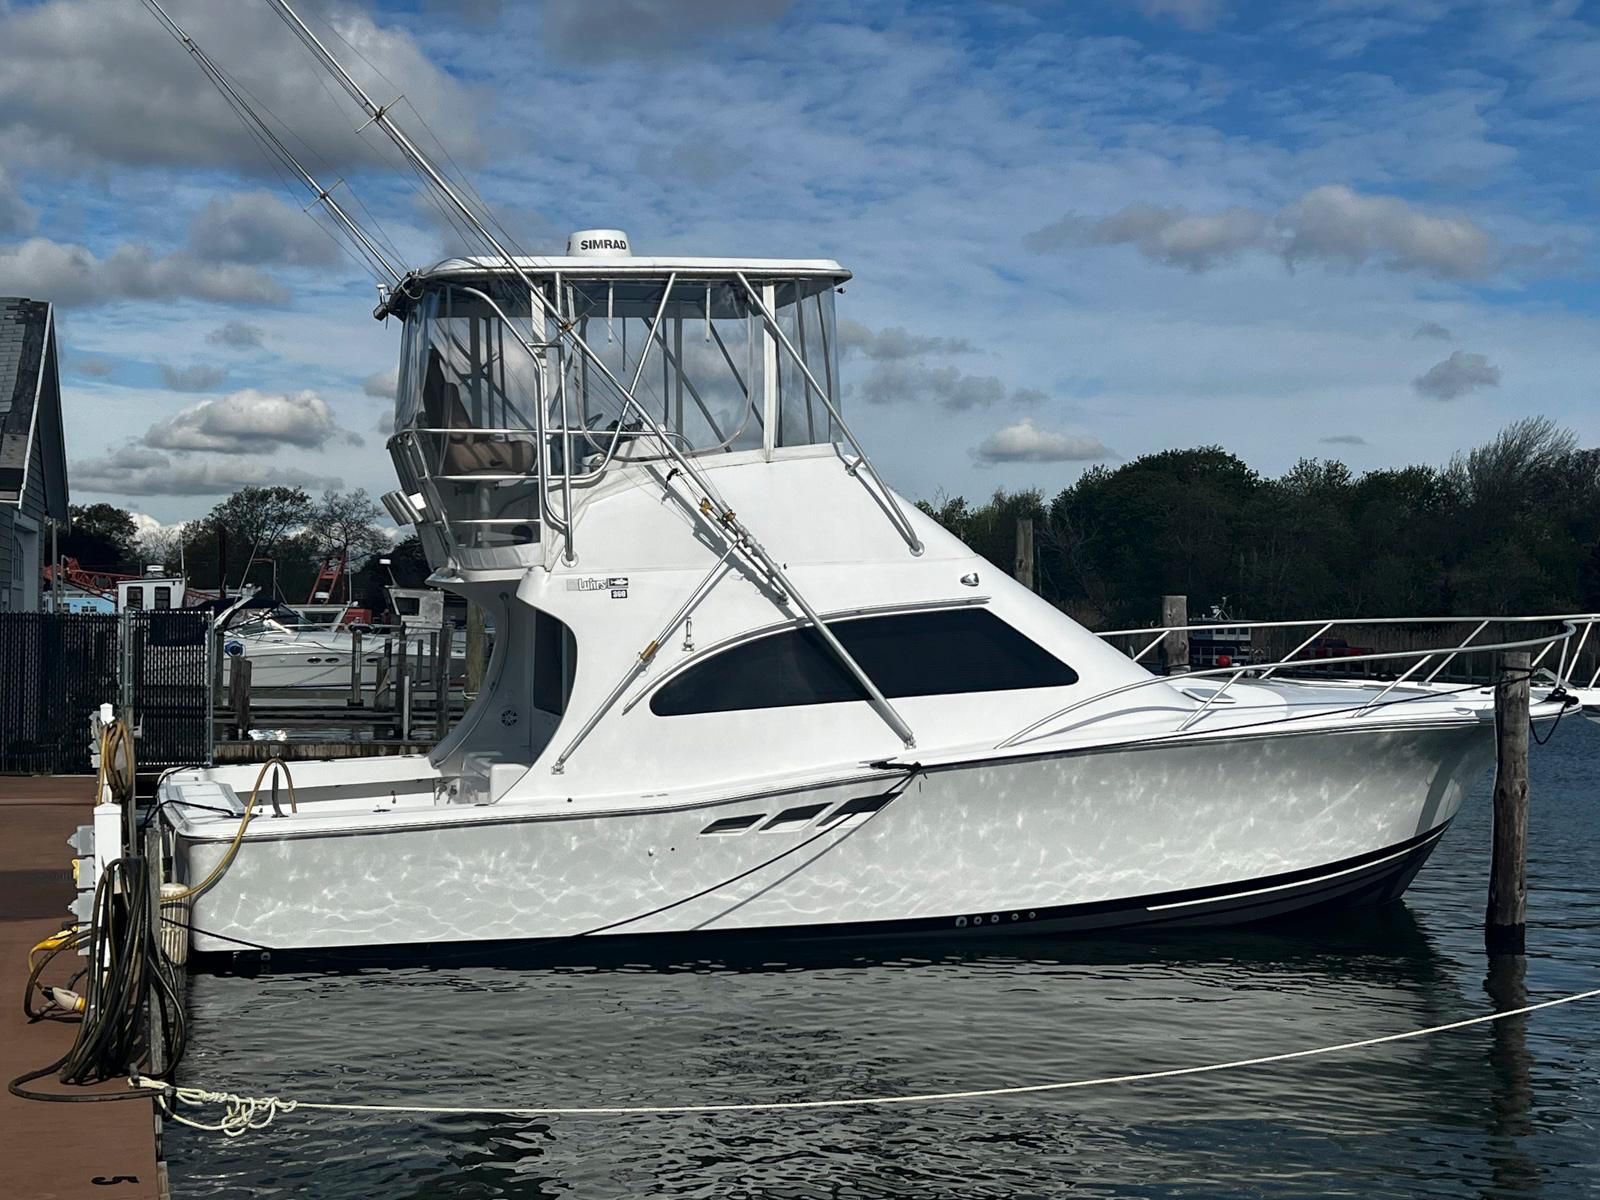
[[238, 838]]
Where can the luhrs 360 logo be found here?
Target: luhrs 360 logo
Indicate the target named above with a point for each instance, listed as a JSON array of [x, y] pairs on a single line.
[[617, 585]]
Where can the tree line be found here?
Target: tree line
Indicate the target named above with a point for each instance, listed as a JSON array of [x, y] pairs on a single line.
[[1512, 526], [273, 538]]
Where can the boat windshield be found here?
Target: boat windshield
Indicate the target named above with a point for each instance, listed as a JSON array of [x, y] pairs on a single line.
[[697, 353], [278, 618]]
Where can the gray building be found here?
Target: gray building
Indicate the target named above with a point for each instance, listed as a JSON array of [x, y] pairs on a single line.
[[33, 457]]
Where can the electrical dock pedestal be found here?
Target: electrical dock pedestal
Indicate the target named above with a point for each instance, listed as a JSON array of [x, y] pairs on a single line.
[[55, 1151]]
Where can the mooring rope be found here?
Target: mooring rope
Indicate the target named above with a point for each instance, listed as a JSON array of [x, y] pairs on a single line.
[[245, 1113]]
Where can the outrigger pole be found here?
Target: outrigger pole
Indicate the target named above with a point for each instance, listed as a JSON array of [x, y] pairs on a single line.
[[712, 510]]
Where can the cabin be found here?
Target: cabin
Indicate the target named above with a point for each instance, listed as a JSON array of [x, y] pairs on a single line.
[[33, 460]]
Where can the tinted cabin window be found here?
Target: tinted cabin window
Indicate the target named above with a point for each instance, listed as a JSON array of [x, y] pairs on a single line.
[[915, 654]]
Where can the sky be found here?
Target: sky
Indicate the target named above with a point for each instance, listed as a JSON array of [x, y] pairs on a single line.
[[1080, 232]]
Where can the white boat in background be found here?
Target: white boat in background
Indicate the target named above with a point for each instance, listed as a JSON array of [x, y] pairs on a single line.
[[290, 651]]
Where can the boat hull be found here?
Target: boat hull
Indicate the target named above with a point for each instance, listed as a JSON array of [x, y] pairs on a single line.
[[1195, 832]]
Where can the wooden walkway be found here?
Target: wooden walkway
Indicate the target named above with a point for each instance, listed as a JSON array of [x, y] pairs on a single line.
[[54, 1151]]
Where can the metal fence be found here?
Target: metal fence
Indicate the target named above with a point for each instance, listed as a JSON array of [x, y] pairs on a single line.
[[56, 668]]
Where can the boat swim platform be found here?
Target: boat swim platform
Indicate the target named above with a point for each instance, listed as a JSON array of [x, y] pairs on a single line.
[[56, 1151]]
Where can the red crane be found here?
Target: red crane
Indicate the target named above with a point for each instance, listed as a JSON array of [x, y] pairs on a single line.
[[330, 572]]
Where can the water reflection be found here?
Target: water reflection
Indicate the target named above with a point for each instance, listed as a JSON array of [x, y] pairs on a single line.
[[1500, 1110], [1511, 1107]]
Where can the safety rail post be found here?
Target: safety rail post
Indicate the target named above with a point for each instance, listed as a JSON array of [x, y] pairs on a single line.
[[1506, 915], [1175, 615], [406, 681], [402, 682], [383, 676], [355, 669], [1022, 569]]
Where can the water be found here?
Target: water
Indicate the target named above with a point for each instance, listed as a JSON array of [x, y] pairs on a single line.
[[1508, 1109]]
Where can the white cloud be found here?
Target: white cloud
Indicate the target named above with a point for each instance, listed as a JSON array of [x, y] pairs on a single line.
[[238, 335], [1191, 14], [1194, 241], [383, 384], [1337, 224], [1027, 442], [247, 422], [96, 368], [196, 377], [898, 375], [146, 526], [258, 228], [73, 275], [16, 215], [1343, 439], [594, 31], [84, 82], [136, 471], [1333, 225], [895, 344], [1431, 329], [1456, 376], [901, 382]]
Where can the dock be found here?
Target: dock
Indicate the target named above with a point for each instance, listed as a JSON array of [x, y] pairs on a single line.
[[55, 1151]]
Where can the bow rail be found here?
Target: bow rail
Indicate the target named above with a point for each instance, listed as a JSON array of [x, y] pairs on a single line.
[[1567, 626]]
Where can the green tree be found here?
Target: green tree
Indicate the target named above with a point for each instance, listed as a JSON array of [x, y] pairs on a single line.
[[253, 523], [101, 536], [1510, 526], [344, 526]]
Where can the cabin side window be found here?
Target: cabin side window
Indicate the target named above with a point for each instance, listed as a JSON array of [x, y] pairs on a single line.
[[948, 652]]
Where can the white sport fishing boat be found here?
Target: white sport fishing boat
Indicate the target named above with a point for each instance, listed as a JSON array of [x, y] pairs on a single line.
[[741, 686]]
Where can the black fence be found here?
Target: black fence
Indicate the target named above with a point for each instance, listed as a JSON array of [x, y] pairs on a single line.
[[56, 668]]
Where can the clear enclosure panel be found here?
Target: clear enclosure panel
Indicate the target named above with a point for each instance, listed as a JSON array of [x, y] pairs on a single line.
[[804, 309], [696, 375], [466, 410], [470, 390]]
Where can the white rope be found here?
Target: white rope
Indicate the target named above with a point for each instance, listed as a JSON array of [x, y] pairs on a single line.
[[245, 1113]]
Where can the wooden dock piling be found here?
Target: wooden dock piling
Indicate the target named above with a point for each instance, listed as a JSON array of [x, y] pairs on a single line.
[[1175, 646], [1022, 569], [239, 695], [1505, 920]]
